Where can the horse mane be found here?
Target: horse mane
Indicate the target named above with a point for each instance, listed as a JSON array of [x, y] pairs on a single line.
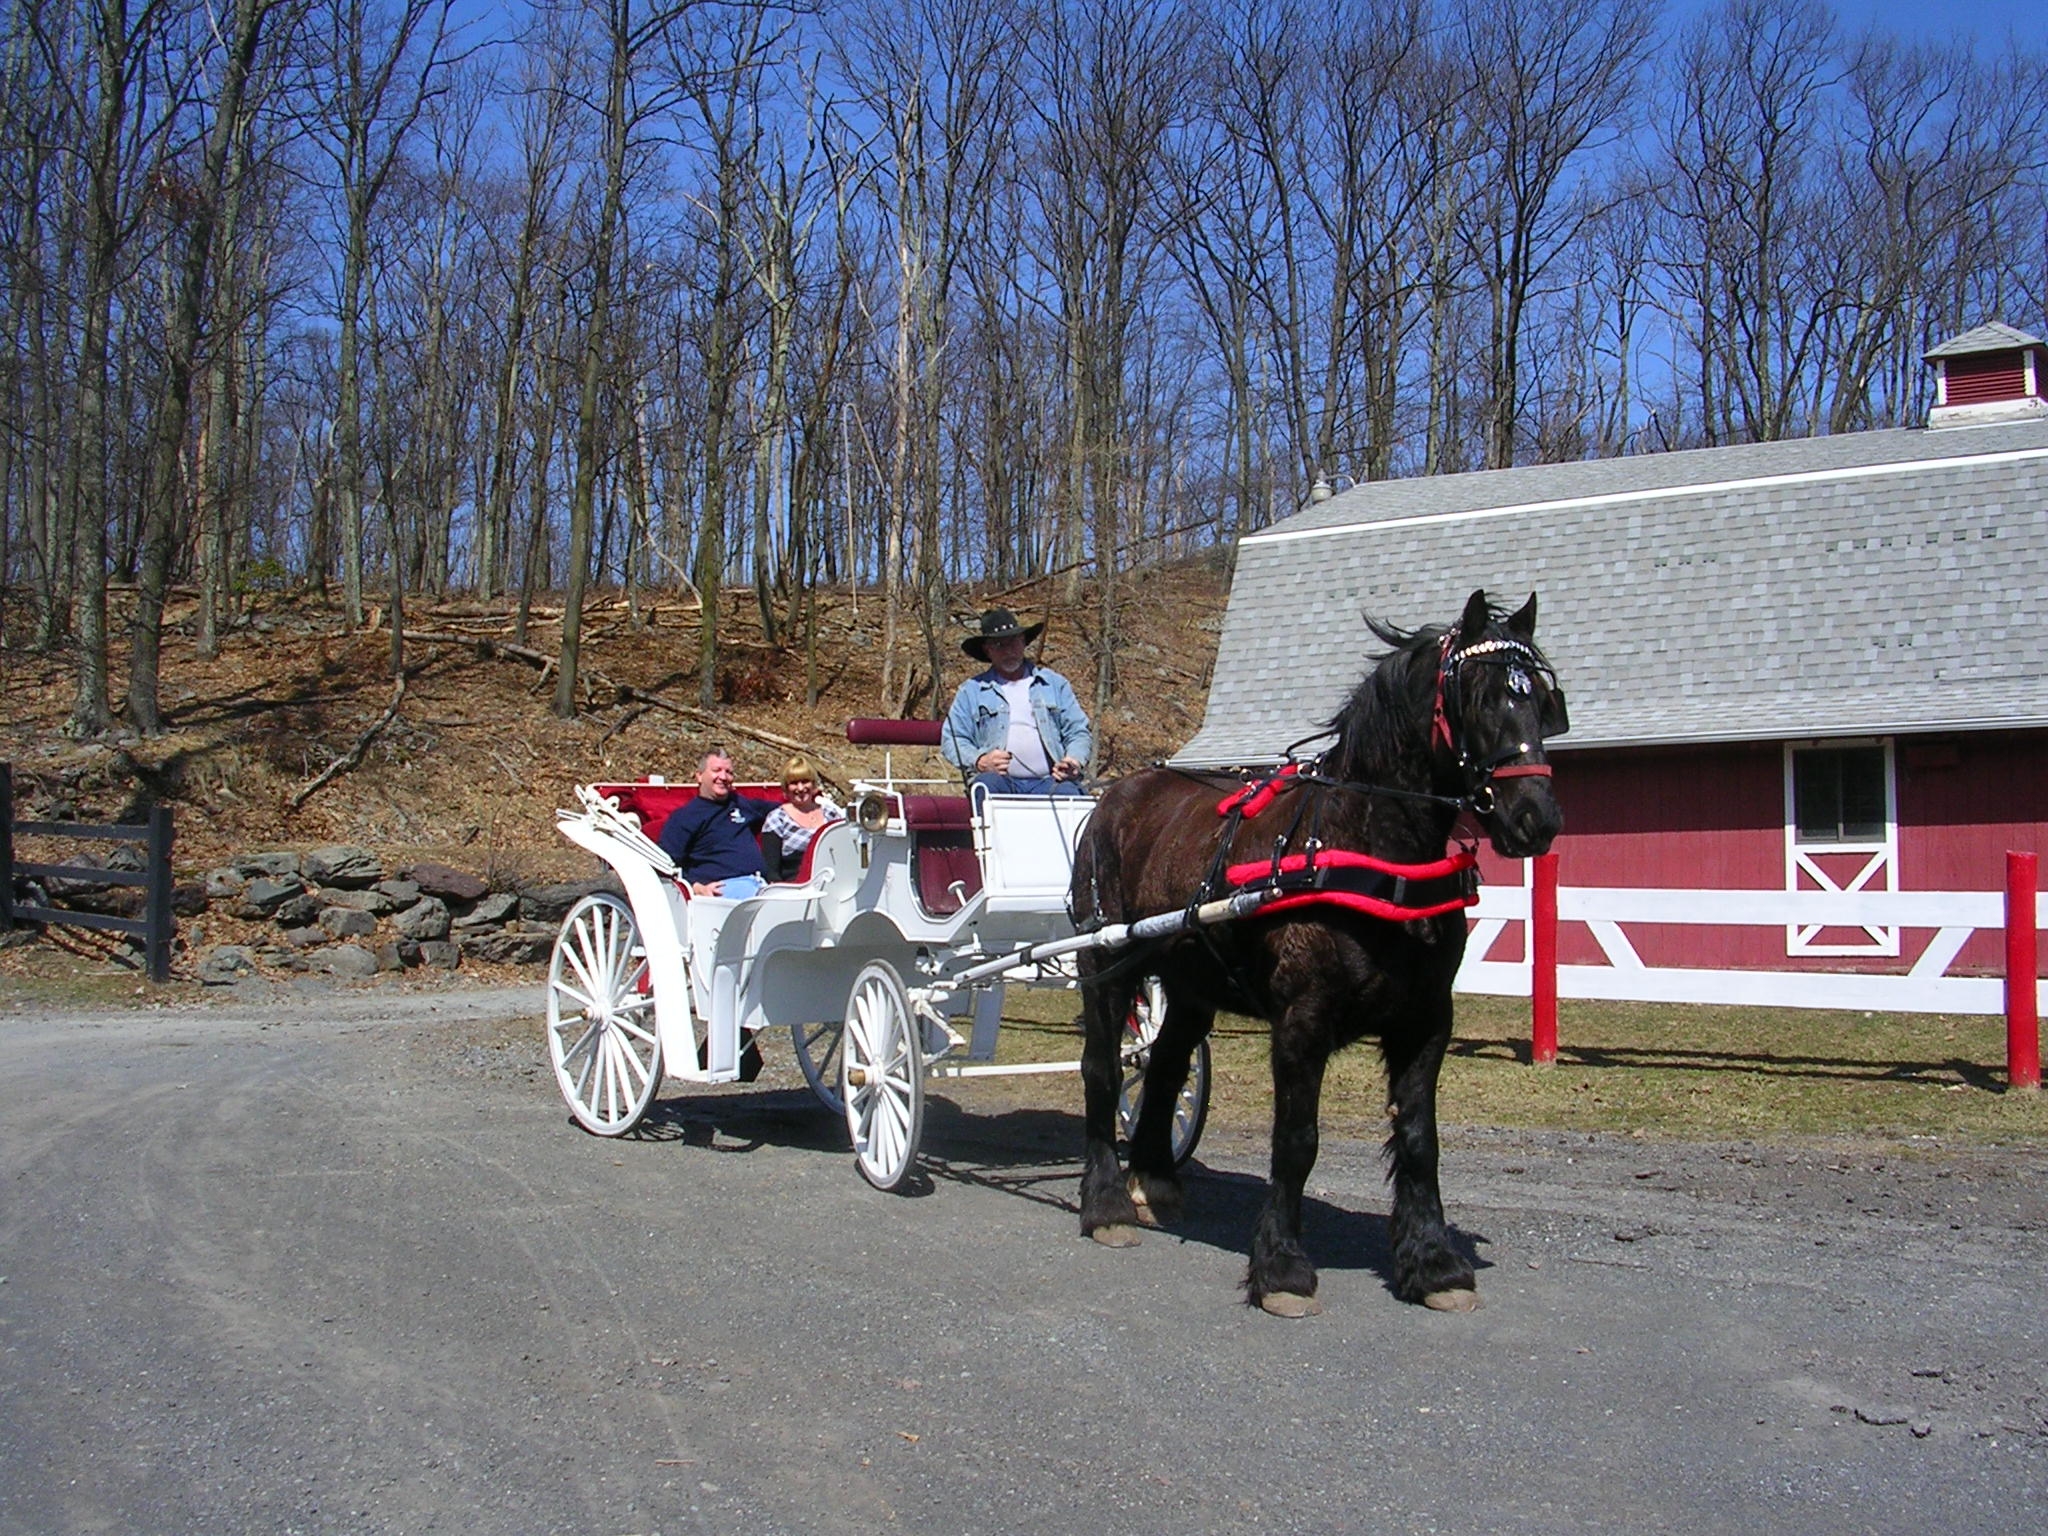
[[1377, 726]]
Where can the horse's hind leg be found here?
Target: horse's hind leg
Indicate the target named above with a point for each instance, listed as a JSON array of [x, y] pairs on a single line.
[[1281, 1278], [1155, 1181], [1107, 1212], [1426, 1267]]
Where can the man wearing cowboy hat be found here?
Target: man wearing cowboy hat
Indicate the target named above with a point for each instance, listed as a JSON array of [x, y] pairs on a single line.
[[1017, 728]]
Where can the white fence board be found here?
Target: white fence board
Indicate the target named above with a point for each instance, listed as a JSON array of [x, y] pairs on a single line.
[[1925, 988]]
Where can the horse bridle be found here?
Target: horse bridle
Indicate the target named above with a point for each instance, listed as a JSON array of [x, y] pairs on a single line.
[[1552, 720], [1447, 728]]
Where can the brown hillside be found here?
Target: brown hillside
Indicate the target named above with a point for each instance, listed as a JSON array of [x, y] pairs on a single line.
[[472, 766]]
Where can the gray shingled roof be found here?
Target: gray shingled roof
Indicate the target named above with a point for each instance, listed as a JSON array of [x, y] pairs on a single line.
[[1874, 582]]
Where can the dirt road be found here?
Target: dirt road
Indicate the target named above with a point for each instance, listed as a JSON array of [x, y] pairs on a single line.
[[337, 1262]]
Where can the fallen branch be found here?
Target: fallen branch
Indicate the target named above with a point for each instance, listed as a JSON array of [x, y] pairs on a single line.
[[342, 765], [720, 722], [623, 691], [622, 722]]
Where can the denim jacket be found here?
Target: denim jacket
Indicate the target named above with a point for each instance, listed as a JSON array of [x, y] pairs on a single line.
[[979, 719]]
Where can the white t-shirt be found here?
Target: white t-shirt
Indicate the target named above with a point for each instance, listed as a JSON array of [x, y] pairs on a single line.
[[1027, 751]]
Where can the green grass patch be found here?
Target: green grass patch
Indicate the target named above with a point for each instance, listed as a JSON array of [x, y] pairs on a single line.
[[1657, 1070]]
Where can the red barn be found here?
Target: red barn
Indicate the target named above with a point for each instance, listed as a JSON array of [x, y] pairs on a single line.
[[1794, 667]]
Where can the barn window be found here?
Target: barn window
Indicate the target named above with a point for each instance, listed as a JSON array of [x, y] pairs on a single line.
[[1838, 794], [1841, 834]]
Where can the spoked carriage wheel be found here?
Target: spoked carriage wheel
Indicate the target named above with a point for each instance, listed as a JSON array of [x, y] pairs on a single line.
[[881, 1076], [1191, 1109], [601, 1034], [818, 1049]]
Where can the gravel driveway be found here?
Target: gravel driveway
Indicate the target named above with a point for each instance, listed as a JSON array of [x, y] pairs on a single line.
[[338, 1262]]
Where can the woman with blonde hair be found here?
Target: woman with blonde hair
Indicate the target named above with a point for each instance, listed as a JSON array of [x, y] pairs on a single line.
[[791, 825]]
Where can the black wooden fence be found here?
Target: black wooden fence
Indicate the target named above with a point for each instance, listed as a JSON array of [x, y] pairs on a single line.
[[156, 925]]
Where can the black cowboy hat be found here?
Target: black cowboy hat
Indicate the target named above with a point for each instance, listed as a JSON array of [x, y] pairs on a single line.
[[998, 624]]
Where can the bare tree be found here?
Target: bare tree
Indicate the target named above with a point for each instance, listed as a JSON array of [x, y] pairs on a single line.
[[1938, 158], [377, 70], [165, 488], [627, 36], [718, 69], [1111, 76], [933, 73], [119, 48], [541, 111], [1549, 81]]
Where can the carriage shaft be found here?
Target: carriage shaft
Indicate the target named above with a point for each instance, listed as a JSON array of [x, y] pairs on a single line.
[[1117, 935]]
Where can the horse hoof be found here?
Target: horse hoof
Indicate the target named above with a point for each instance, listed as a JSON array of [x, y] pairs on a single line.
[[1290, 1304], [1452, 1301], [1116, 1235], [1147, 1217]]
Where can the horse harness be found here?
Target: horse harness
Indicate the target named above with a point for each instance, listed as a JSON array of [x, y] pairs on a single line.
[[1363, 882]]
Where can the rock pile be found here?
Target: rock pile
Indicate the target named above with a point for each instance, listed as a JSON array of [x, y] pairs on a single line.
[[336, 910]]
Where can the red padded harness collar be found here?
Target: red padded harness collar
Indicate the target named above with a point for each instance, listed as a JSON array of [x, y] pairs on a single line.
[[1377, 887], [1337, 877]]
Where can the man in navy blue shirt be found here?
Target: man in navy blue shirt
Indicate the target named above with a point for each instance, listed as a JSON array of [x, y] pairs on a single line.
[[715, 838]]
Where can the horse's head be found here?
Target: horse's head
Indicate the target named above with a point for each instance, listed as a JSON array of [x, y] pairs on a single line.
[[1497, 701]]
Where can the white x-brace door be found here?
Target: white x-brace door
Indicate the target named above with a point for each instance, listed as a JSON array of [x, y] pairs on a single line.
[[1845, 866]]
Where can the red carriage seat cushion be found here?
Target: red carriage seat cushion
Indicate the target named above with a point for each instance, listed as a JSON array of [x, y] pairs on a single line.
[[942, 841], [941, 860], [875, 732], [937, 813], [803, 865]]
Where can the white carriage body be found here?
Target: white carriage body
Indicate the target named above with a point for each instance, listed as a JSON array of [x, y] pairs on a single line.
[[922, 908], [790, 955]]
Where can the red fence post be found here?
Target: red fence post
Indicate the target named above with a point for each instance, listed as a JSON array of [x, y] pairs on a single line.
[[2022, 963], [1543, 961]]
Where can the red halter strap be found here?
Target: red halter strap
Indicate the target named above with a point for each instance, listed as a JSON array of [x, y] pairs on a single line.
[[1440, 724]]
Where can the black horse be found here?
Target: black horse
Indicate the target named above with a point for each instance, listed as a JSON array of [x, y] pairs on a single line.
[[1449, 722]]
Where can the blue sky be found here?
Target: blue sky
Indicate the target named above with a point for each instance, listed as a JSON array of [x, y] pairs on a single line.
[[1937, 20]]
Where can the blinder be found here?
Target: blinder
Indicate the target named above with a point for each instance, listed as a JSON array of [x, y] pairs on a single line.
[[1524, 666]]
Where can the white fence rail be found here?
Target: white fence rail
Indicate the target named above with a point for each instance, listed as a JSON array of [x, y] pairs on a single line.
[[1924, 987]]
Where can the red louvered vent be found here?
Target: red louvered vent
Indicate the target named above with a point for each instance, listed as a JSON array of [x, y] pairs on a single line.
[[1986, 377]]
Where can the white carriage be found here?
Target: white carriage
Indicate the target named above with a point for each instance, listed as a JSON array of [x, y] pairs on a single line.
[[887, 958]]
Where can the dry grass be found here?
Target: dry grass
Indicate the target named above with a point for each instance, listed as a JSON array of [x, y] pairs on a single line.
[[1682, 1073]]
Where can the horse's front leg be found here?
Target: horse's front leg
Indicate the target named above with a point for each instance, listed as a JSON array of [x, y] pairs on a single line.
[[1107, 1212], [1281, 1278], [1426, 1267]]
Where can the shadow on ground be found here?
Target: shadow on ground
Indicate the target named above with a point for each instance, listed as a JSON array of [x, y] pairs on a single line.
[[1028, 1154]]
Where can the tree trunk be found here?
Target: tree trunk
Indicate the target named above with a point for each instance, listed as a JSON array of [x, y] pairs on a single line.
[[164, 490], [86, 490], [596, 337]]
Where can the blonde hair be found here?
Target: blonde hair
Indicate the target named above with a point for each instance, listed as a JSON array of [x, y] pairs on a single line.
[[798, 767]]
